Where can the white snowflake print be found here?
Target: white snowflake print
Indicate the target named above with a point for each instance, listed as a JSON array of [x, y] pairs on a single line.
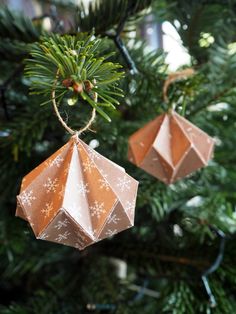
[[75, 208], [81, 239], [88, 165], [103, 182], [66, 170], [27, 197], [78, 245], [83, 188], [110, 232], [47, 210], [93, 154], [124, 183], [97, 209], [51, 185], [63, 236], [43, 236], [113, 219], [80, 235], [62, 224], [62, 192], [129, 207], [56, 162], [70, 168], [80, 147]]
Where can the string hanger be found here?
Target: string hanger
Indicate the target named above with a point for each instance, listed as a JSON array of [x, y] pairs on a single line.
[[173, 77], [63, 123]]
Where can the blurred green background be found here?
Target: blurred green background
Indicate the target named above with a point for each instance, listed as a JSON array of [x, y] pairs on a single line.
[[160, 265]]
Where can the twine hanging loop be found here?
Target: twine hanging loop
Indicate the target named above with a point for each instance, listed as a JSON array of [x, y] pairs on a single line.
[[63, 123], [173, 77]]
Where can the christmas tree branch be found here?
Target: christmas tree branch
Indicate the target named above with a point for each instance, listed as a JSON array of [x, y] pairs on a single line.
[[5, 85], [82, 71], [15, 25]]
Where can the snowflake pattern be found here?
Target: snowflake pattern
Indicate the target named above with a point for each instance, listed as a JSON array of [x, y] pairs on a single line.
[[97, 209], [110, 232], [80, 236], [70, 168], [62, 192], [56, 162], [103, 182], [80, 147], [66, 170], [93, 154], [62, 236], [75, 208], [27, 198], [113, 219], [78, 244], [62, 224], [129, 207], [88, 165], [83, 189], [81, 240], [43, 236], [51, 185], [47, 210], [124, 184]]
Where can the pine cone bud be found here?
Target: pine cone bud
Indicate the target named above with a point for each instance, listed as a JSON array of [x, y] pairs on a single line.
[[67, 83], [88, 86], [77, 87]]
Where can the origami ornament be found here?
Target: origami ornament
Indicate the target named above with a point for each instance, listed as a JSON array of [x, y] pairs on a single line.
[[77, 197], [170, 147]]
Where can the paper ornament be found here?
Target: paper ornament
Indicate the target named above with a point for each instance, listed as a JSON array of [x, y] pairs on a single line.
[[77, 197], [170, 147]]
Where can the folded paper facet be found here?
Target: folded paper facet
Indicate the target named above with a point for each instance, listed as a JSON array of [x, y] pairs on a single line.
[[77, 197], [170, 147]]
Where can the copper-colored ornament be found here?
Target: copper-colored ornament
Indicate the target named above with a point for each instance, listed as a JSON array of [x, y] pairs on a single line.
[[170, 147], [77, 197]]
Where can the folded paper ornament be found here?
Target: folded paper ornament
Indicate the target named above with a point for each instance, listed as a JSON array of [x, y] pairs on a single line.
[[77, 197], [170, 147]]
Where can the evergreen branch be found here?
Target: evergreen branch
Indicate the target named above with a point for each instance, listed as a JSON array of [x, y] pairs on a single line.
[[13, 50], [82, 71], [5, 85], [15, 25], [114, 11], [122, 10]]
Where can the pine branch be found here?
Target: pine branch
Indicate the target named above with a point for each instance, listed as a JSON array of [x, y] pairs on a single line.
[[15, 25], [83, 73], [13, 50], [114, 11]]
